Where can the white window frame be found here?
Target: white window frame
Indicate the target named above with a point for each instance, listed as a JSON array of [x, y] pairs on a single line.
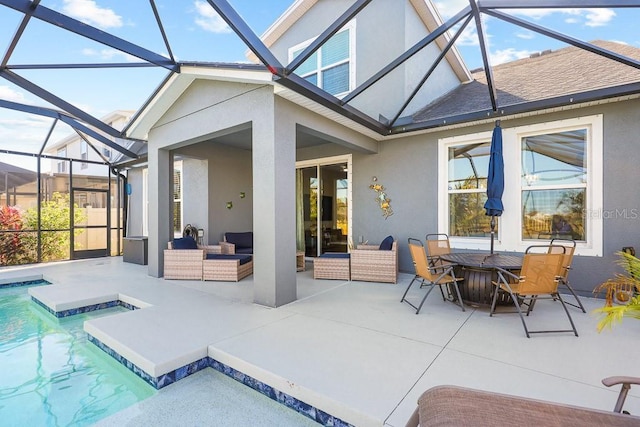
[[62, 164], [351, 27], [322, 161], [84, 153], [512, 197], [177, 166]]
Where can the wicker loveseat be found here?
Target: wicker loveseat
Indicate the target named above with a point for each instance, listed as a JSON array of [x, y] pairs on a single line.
[[375, 263]]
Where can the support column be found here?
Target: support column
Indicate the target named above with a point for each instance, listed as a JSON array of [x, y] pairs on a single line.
[[274, 207], [160, 187]]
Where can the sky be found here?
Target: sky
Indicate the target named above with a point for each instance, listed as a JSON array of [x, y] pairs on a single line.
[[197, 33]]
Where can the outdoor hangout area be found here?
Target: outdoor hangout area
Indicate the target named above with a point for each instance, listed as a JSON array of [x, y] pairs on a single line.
[[388, 355], [362, 212]]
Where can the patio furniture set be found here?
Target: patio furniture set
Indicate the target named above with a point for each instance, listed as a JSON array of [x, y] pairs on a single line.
[[229, 261], [369, 263], [495, 279]]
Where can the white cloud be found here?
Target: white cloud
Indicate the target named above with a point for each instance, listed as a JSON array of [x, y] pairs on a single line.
[[449, 8], [591, 17], [88, 11], [620, 41], [508, 55], [25, 134], [9, 94], [109, 54], [469, 36], [527, 35], [599, 17], [208, 19]]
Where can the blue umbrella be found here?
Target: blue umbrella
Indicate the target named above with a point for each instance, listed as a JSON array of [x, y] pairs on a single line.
[[495, 180]]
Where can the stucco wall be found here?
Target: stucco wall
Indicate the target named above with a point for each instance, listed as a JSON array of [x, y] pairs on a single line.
[[407, 167], [376, 46], [136, 212], [226, 173]]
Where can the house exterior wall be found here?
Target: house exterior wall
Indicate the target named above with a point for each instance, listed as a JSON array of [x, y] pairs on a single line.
[[408, 168], [375, 48], [223, 173], [213, 109], [135, 215]]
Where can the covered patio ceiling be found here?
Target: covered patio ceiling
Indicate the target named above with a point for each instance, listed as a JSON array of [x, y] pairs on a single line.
[[59, 109]]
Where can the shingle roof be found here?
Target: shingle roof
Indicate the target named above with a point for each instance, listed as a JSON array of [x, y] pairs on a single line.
[[550, 74]]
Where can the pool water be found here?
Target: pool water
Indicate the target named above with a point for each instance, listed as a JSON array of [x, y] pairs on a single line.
[[50, 375]]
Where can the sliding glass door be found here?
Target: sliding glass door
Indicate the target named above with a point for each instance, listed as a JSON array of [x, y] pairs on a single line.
[[323, 206]]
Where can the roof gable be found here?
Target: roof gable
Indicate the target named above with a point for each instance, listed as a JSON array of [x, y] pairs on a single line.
[[424, 8]]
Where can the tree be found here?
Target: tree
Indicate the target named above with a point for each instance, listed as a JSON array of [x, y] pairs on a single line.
[[54, 218]]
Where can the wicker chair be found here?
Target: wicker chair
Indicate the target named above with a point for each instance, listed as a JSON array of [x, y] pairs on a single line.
[[370, 264], [186, 264]]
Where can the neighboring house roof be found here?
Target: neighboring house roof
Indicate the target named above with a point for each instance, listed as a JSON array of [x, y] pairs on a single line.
[[73, 137], [13, 176], [424, 8], [545, 75]]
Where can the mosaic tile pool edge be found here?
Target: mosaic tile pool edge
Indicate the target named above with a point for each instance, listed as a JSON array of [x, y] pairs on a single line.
[[208, 362], [193, 367], [85, 309], [24, 283]]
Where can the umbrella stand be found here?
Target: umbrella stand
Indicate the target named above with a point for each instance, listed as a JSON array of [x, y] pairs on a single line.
[[493, 231]]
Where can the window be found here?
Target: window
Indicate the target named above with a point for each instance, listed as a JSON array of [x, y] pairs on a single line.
[[177, 199], [84, 154], [62, 164], [553, 186], [332, 67], [106, 153]]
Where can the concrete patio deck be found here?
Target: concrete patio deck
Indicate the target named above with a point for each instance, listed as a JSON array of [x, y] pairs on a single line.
[[350, 349]]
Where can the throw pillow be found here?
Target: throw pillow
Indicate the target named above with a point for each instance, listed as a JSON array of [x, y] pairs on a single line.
[[386, 244], [185, 243]]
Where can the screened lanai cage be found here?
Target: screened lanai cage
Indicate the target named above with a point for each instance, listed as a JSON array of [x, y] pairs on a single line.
[[74, 72]]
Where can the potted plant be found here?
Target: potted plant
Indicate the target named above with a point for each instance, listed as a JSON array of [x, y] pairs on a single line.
[[622, 292]]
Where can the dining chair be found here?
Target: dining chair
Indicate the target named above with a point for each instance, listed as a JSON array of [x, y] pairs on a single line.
[[570, 248], [539, 279], [437, 245], [431, 276]]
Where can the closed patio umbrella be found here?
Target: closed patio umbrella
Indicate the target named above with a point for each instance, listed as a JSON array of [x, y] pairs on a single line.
[[495, 180]]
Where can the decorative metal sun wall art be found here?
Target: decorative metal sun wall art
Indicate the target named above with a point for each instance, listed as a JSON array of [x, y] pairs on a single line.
[[381, 198]]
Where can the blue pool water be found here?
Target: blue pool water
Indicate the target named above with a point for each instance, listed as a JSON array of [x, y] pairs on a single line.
[[50, 375]]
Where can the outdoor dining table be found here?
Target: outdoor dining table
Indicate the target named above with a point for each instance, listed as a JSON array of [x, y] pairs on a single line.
[[478, 271]]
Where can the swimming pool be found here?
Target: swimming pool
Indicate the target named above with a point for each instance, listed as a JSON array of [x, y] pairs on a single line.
[[51, 375]]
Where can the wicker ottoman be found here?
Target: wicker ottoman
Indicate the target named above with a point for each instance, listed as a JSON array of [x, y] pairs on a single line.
[[227, 267], [334, 266]]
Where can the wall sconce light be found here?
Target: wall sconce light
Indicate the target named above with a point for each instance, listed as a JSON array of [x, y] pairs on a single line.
[[229, 205], [242, 195]]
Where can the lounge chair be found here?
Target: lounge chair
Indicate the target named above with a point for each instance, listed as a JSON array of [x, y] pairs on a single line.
[[447, 405]]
